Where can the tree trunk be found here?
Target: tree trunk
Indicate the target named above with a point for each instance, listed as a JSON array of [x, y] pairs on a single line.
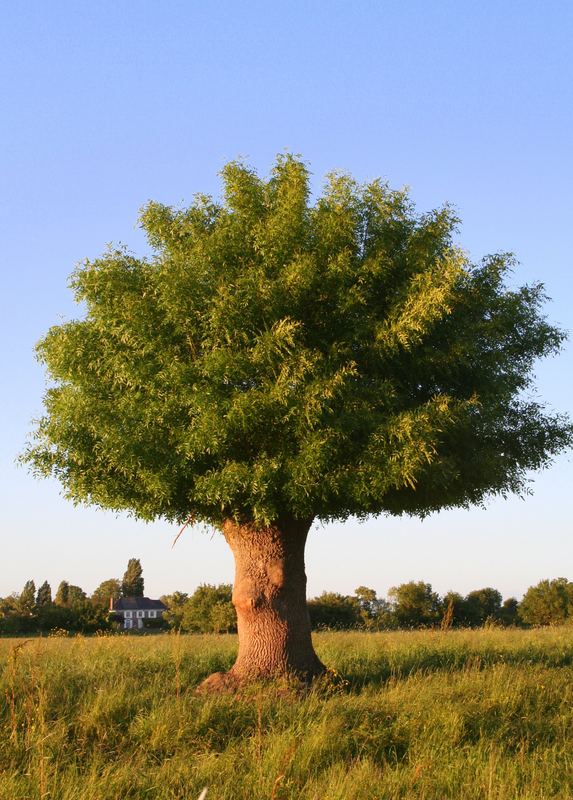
[[269, 596]]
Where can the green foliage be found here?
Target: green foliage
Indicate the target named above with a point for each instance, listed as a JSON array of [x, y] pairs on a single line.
[[76, 596], [132, 583], [363, 610], [69, 596], [278, 358], [155, 624], [71, 611], [334, 611], [208, 610], [107, 589], [175, 606], [465, 715], [51, 617], [44, 595], [375, 612], [9, 605], [62, 594], [454, 610], [415, 605], [26, 603], [509, 613], [547, 603], [483, 605], [91, 618]]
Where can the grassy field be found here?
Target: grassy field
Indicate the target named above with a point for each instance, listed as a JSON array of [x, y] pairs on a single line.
[[462, 714]]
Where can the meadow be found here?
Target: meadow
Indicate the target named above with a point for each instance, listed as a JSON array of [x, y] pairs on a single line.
[[426, 715]]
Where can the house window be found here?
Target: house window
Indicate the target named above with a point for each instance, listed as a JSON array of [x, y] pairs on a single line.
[[128, 614], [152, 614], [140, 613]]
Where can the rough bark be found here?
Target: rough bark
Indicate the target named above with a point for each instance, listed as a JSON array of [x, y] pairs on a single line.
[[269, 596]]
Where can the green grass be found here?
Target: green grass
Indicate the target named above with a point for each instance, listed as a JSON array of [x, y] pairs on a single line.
[[462, 714]]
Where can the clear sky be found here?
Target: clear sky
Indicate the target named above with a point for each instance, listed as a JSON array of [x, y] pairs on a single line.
[[107, 105]]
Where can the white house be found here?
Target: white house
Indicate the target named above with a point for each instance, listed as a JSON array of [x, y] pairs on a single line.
[[132, 611]]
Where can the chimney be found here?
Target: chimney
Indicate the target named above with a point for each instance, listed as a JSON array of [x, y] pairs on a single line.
[[111, 603]]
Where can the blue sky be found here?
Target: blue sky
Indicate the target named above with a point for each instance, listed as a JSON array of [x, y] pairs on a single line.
[[107, 105]]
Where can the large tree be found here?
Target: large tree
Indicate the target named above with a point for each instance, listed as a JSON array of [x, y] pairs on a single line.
[[275, 362]]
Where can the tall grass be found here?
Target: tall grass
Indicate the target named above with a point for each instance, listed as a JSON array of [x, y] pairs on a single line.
[[432, 715]]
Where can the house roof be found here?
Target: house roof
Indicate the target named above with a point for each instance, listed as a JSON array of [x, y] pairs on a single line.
[[137, 604]]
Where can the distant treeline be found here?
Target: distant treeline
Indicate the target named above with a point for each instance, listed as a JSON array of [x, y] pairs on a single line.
[[210, 610], [410, 605], [34, 611]]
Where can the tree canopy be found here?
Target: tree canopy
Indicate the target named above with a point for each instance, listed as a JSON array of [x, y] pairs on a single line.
[[132, 584], [278, 358], [208, 610], [44, 595], [27, 599], [62, 594], [415, 604], [550, 602], [110, 588]]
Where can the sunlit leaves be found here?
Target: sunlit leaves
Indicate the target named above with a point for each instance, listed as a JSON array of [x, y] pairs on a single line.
[[427, 298]]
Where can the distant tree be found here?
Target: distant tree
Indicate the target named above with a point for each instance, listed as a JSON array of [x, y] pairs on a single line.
[[334, 611], [210, 610], [76, 596], [175, 599], [384, 616], [175, 608], [62, 594], [90, 617], [10, 620], [51, 616], [44, 595], [9, 605], [454, 610], [27, 599], [21, 611], [509, 613], [375, 612], [482, 605], [547, 603], [78, 612], [132, 583], [9, 617], [223, 616], [72, 611], [106, 590], [366, 599], [415, 605], [277, 361]]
